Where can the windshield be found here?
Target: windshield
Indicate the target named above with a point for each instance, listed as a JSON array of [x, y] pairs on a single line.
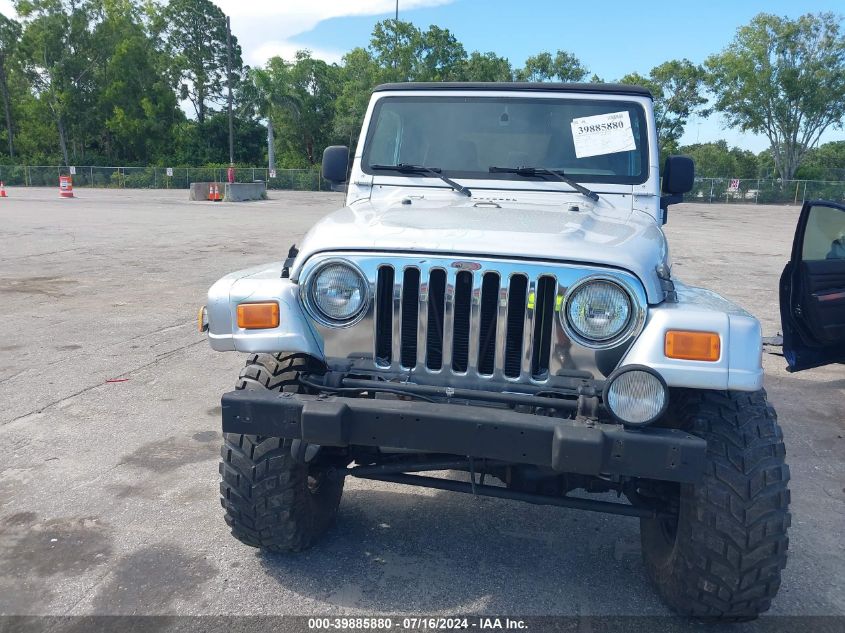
[[590, 140]]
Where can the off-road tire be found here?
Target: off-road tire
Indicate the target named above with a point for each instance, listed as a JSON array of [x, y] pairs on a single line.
[[271, 500], [275, 372], [723, 556]]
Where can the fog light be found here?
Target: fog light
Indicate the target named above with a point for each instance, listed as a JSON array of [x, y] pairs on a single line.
[[636, 395]]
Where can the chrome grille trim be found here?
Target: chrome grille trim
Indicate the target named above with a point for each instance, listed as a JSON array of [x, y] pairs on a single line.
[[358, 344], [528, 331], [422, 315], [474, 323], [396, 331], [501, 325], [448, 316]]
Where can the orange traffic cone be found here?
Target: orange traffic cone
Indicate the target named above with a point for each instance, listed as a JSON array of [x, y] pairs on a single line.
[[214, 193], [3, 190]]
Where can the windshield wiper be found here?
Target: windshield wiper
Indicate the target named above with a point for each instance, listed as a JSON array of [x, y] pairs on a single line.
[[405, 168], [543, 171]]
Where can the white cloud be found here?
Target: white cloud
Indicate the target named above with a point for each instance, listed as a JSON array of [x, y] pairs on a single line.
[[287, 50], [317, 10], [267, 27]]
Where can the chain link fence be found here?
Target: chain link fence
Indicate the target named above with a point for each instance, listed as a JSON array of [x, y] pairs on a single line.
[[707, 190], [159, 177], [764, 191]]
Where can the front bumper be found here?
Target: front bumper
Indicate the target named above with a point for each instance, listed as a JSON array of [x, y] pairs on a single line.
[[481, 432]]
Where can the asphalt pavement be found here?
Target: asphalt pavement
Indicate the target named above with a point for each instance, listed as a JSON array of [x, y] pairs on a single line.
[[109, 419]]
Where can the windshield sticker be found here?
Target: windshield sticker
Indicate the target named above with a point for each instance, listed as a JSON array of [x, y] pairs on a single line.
[[602, 134]]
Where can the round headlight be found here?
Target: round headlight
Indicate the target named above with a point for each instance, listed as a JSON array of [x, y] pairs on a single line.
[[636, 395], [338, 292], [598, 311]]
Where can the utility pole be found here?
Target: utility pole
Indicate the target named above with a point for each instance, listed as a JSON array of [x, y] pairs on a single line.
[[396, 37], [229, 82]]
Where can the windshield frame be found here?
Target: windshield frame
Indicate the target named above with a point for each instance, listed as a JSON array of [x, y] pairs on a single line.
[[625, 103]]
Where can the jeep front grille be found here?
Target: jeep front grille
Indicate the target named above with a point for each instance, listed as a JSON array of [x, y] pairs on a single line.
[[466, 321], [442, 320]]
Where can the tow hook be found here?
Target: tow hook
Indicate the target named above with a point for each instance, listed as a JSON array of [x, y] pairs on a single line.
[[588, 405], [303, 452]]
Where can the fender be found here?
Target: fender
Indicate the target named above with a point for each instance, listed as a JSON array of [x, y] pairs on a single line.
[[739, 367], [262, 283]]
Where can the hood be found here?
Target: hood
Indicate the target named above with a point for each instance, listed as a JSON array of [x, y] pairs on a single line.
[[470, 226]]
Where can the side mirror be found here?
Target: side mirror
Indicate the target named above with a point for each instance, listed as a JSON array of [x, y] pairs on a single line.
[[678, 175], [678, 179], [335, 163]]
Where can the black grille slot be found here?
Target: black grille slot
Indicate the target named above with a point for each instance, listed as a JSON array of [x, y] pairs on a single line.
[[410, 316], [487, 326], [460, 328], [384, 315], [543, 320], [434, 335], [515, 326], [503, 338]]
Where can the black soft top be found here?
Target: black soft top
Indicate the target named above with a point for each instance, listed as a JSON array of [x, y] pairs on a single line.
[[518, 86]]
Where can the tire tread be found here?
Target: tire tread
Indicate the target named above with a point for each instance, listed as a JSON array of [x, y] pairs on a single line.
[[732, 538], [263, 490]]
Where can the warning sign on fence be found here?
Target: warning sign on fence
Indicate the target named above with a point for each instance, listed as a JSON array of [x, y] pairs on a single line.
[[72, 170], [170, 172], [734, 185], [272, 173]]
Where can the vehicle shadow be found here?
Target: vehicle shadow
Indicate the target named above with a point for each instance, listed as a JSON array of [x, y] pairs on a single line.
[[399, 550]]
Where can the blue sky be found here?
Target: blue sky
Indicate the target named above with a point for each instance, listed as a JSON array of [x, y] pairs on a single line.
[[611, 38]]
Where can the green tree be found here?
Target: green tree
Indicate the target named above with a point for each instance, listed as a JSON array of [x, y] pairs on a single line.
[[194, 33], [257, 99], [747, 164], [825, 162], [60, 57], [717, 160], [405, 53], [396, 47], [136, 105], [785, 79], [563, 66], [358, 75], [766, 164], [10, 32], [304, 116], [266, 94], [487, 67], [441, 56], [712, 160], [677, 88], [208, 143]]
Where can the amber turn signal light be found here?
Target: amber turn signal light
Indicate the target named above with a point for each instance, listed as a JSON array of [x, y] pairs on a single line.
[[692, 345], [258, 316], [202, 319]]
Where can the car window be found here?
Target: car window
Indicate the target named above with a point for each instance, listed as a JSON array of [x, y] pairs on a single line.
[[824, 236], [590, 140]]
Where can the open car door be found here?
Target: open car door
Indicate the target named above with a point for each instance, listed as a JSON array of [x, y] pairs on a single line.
[[812, 289]]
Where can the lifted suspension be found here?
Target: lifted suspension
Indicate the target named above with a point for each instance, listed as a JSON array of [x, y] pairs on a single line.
[[398, 473]]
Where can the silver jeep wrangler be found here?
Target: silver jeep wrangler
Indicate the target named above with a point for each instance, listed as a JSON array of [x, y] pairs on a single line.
[[496, 298]]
